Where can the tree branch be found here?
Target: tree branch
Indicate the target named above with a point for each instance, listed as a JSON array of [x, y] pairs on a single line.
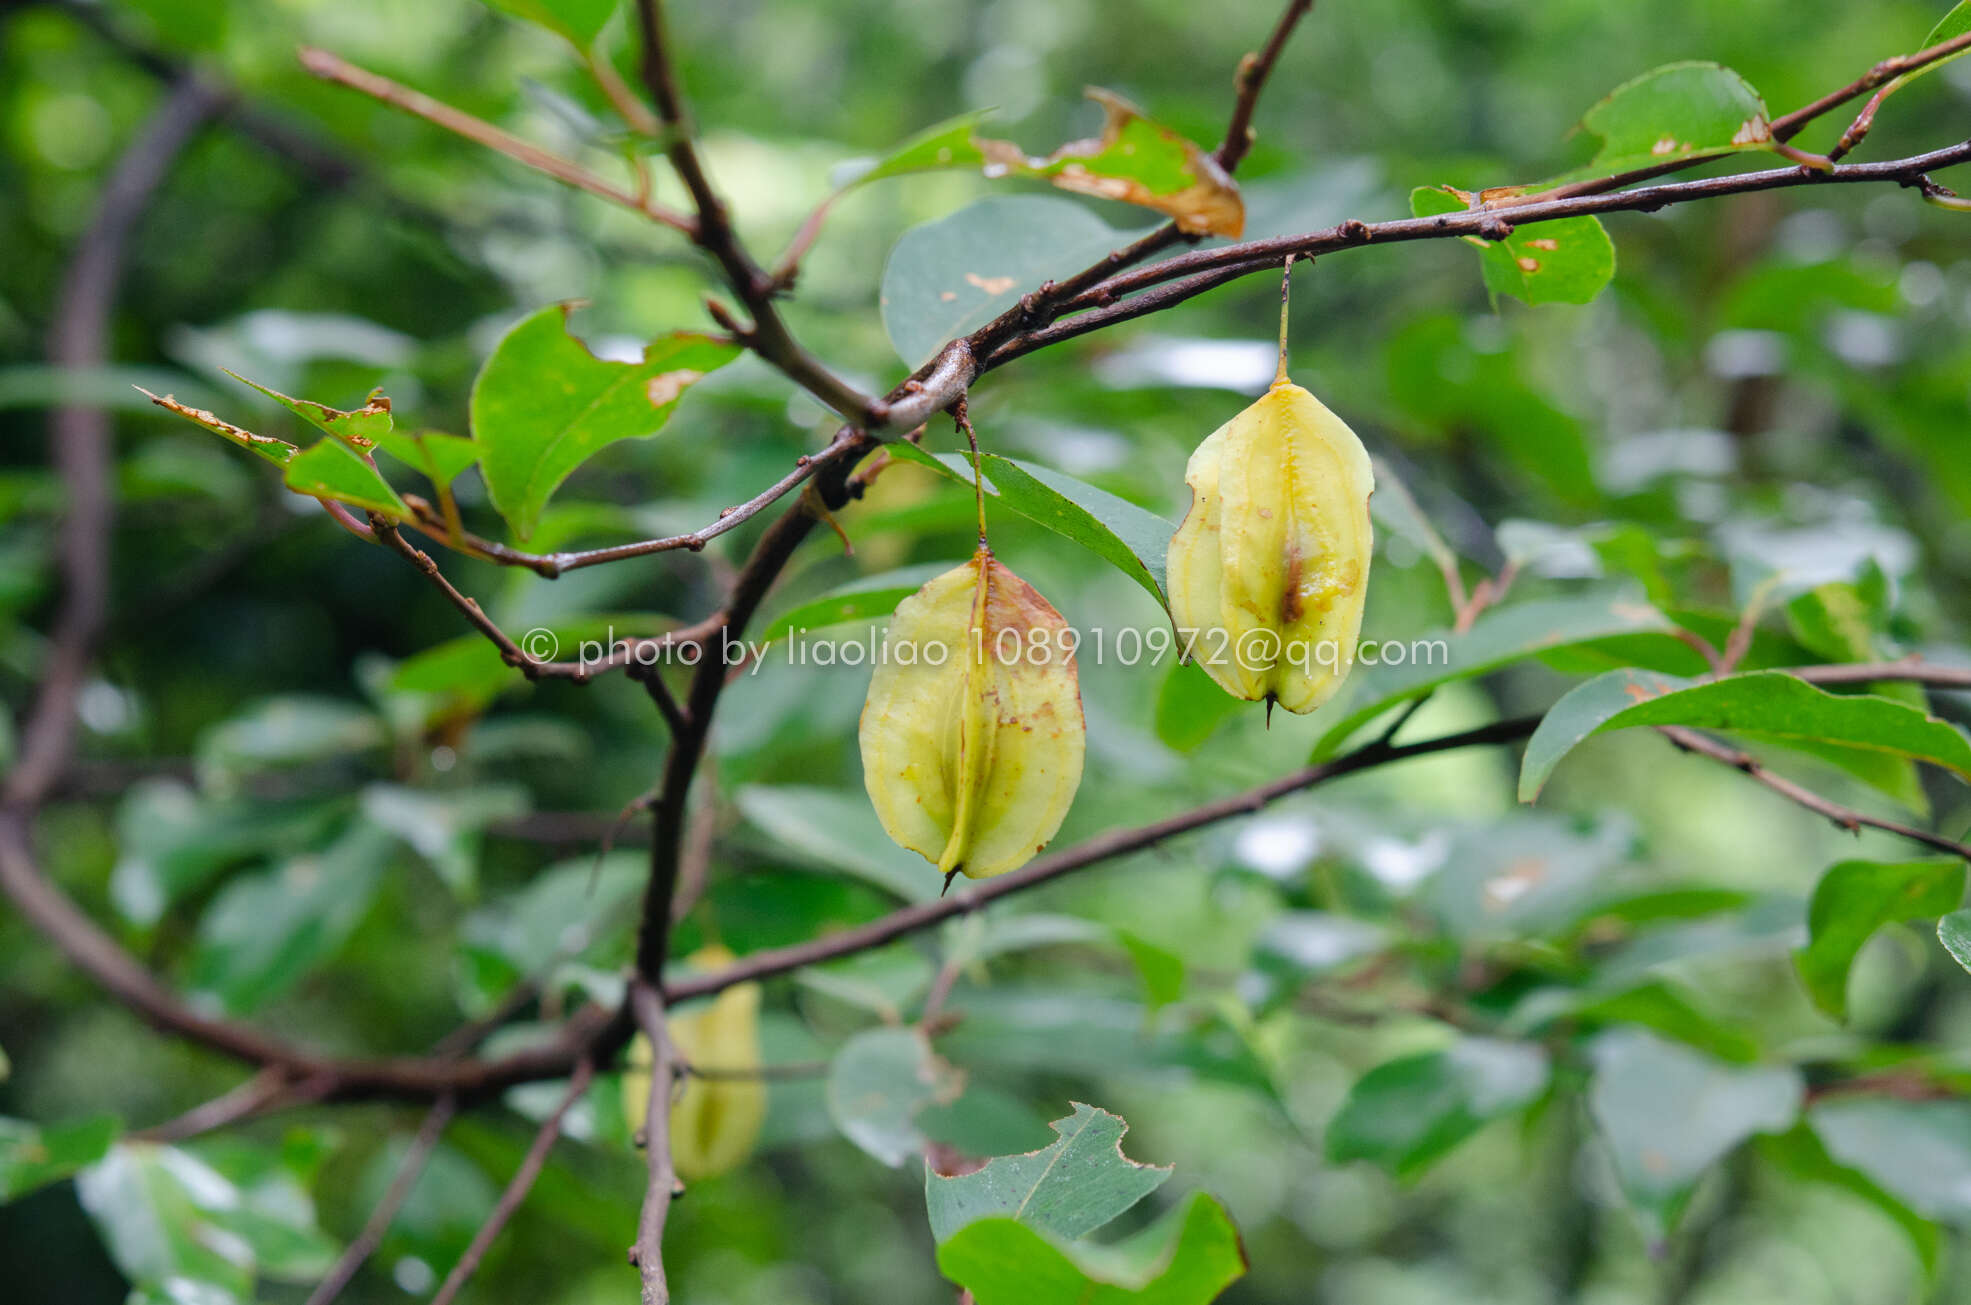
[[332, 68], [516, 1191], [1189, 274], [647, 1254], [416, 1157], [713, 231], [973, 897], [1689, 740]]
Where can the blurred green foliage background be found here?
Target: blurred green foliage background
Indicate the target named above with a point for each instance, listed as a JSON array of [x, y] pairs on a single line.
[[1774, 383]]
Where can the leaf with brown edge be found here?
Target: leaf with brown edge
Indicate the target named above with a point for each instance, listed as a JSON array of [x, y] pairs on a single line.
[[278, 452], [1137, 161], [360, 428], [972, 736]]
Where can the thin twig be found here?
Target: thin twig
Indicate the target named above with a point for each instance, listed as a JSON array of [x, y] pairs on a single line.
[[1250, 80], [974, 896], [387, 533], [768, 336], [1887, 71], [416, 1156], [516, 1191], [647, 1253], [1689, 740], [242, 1102], [333, 68], [785, 1070], [700, 836], [1195, 271]]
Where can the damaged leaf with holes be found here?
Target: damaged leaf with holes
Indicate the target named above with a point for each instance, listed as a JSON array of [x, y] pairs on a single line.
[[341, 467], [1569, 261], [972, 735], [1133, 160]]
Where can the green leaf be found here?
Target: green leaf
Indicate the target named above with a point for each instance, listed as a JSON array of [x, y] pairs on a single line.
[[1069, 1188], [183, 1229], [331, 470], [1499, 638], [947, 278], [1569, 261], [440, 457], [1134, 540], [445, 828], [1664, 1009], [1302, 945], [1188, 1257], [1667, 1113], [865, 598], [1764, 704], [467, 673], [1800, 1153], [560, 915], [1055, 1031], [1953, 24], [878, 1082], [948, 144], [1853, 900], [153, 1207], [1191, 706], [543, 405], [265, 932], [1678, 111], [579, 21], [32, 1156], [837, 831], [1919, 1151], [284, 731], [1954, 932], [1835, 621], [171, 841], [1161, 969], [1406, 1114]]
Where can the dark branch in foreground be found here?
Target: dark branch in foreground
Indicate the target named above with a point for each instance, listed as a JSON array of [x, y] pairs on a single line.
[[647, 1254], [416, 1156], [516, 1191], [973, 897]]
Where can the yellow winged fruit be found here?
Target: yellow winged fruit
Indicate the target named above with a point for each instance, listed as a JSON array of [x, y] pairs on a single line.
[[1268, 571], [972, 735], [716, 1119]]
